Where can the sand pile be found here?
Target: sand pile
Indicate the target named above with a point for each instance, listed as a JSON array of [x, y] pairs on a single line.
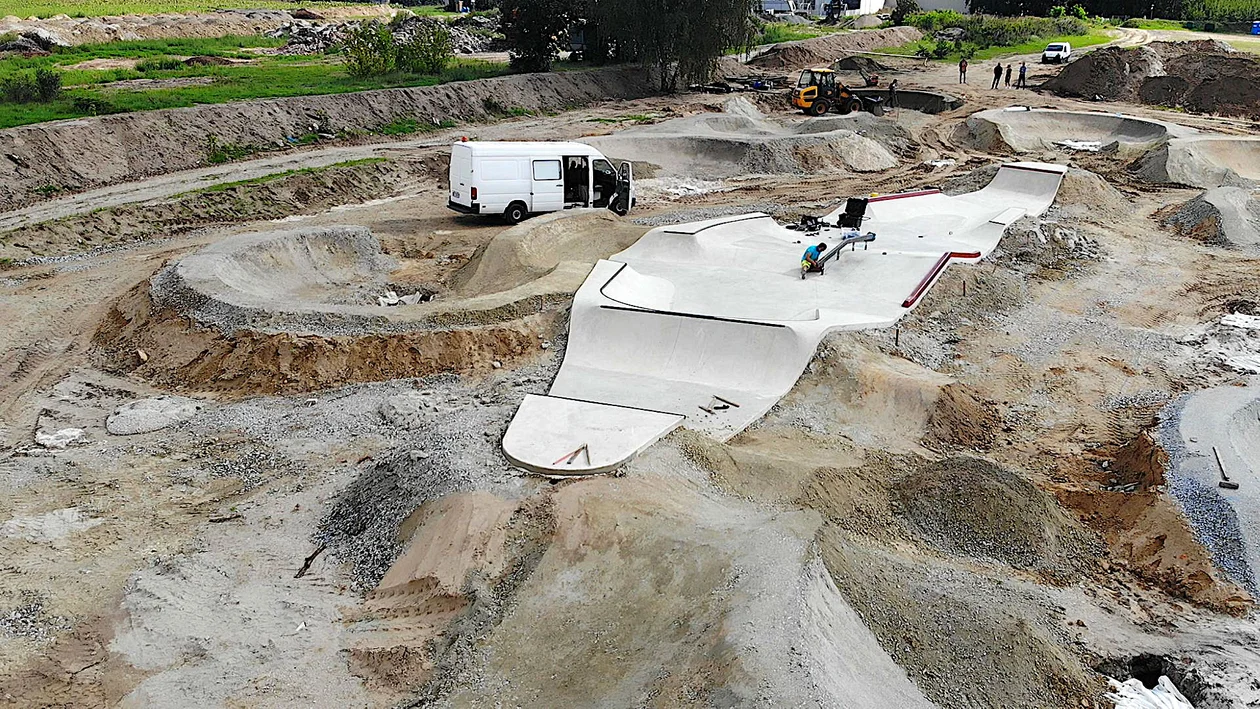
[[1202, 76], [561, 242], [1224, 216], [821, 51], [742, 141], [860, 63]]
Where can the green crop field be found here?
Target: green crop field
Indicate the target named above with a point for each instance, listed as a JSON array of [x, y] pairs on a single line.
[[113, 90], [103, 8]]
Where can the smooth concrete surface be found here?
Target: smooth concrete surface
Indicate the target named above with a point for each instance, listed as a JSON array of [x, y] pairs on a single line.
[[1214, 161], [712, 322], [1026, 129]]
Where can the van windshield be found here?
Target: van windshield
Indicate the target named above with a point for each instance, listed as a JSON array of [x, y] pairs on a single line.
[[1055, 48]]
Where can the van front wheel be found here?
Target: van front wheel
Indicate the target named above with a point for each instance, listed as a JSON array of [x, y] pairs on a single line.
[[515, 212]]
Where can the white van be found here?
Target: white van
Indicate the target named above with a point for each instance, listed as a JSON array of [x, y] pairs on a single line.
[[519, 179], [1056, 53]]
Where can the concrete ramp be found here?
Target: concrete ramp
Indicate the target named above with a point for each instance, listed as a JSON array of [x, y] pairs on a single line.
[[708, 324]]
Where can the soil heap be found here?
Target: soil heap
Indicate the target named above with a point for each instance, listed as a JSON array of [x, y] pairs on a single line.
[[824, 50], [1203, 76]]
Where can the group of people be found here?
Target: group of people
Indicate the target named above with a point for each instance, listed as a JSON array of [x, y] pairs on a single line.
[[998, 71]]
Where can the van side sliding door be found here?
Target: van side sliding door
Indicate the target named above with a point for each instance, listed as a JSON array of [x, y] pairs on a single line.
[[546, 185]]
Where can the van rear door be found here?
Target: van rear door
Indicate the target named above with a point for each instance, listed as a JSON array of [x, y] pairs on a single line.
[[461, 176], [546, 185]]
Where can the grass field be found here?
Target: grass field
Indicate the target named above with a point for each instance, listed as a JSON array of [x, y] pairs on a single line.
[[94, 91], [1031, 47], [102, 8], [775, 32]]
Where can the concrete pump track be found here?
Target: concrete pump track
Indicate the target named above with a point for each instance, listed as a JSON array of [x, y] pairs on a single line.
[[708, 324]]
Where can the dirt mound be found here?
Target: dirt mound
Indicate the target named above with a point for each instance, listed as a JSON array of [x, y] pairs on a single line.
[[963, 419], [221, 23], [924, 613], [860, 63], [304, 192], [539, 246], [170, 350], [974, 508], [1088, 196], [1221, 216], [821, 51], [311, 308], [91, 152], [742, 141], [1200, 76]]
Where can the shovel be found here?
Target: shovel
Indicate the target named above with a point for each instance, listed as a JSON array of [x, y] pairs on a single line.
[[1225, 481]]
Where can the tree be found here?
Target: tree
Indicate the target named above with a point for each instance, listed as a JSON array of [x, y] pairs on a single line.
[[536, 30], [904, 8], [680, 41]]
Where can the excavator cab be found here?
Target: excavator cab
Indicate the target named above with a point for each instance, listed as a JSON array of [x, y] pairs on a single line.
[[819, 91]]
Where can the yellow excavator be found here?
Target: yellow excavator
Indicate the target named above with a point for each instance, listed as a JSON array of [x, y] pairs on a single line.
[[819, 91]]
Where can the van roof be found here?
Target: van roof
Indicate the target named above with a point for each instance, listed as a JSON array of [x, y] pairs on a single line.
[[503, 147]]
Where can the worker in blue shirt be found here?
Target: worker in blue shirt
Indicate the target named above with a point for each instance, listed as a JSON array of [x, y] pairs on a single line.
[[810, 261]]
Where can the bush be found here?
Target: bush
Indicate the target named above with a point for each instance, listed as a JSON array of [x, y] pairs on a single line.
[[42, 85], [94, 106], [426, 51], [369, 50], [19, 87], [47, 84], [986, 31], [159, 64], [418, 47]]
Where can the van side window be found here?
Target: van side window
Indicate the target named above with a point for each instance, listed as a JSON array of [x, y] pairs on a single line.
[[546, 170]]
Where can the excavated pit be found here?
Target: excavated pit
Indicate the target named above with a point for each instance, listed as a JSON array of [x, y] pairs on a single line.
[[292, 311]]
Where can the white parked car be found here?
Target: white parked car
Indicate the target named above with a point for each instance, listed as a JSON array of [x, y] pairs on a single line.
[[1056, 53], [520, 179]]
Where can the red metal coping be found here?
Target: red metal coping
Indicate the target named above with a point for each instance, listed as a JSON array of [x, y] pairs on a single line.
[[918, 193], [926, 283]]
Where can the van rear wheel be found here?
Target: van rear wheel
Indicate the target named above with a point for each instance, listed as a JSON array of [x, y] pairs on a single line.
[[515, 212]]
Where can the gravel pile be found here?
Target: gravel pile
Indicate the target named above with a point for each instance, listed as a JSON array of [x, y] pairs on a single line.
[[463, 40], [1213, 520], [449, 433], [30, 620], [697, 214], [305, 37]]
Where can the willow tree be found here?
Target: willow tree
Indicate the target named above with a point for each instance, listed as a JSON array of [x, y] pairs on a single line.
[[681, 41]]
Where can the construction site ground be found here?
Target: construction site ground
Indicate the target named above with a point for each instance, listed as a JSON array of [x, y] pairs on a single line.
[[972, 510]]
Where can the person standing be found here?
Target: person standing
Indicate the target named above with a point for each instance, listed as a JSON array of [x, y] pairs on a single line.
[[1023, 76], [962, 70], [997, 74], [892, 94], [1008, 75]]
